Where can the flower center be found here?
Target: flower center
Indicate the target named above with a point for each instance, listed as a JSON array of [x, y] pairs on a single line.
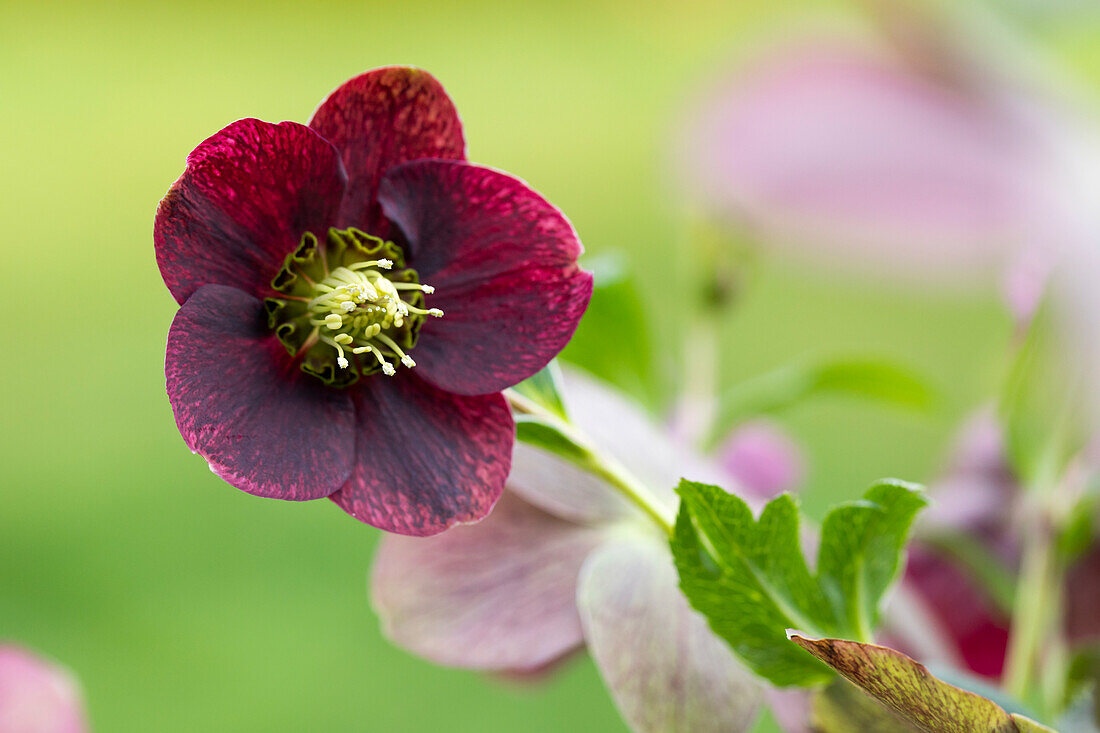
[[349, 306]]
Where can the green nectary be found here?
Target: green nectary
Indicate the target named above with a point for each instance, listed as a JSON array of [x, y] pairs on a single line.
[[349, 306]]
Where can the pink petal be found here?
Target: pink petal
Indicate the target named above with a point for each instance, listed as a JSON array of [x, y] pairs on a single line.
[[851, 152], [497, 595], [247, 196], [382, 118], [425, 459], [504, 264], [262, 424], [37, 696], [663, 666], [763, 458]]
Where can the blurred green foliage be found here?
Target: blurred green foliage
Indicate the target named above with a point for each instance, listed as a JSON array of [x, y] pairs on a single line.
[[185, 605]]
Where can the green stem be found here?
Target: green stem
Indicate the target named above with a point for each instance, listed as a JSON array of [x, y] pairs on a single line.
[[1036, 617], [598, 463], [622, 479], [697, 406]]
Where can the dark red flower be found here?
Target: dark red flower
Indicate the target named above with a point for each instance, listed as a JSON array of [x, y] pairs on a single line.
[[301, 257]]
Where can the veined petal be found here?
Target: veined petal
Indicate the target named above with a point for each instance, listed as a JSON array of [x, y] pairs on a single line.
[[664, 667], [261, 423], [37, 696], [426, 459], [497, 595], [247, 195], [380, 119], [504, 265], [563, 489]]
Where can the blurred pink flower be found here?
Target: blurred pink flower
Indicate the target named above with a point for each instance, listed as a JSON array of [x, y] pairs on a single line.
[[850, 150], [563, 561], [37, 696], [879, 157], [763, 458]]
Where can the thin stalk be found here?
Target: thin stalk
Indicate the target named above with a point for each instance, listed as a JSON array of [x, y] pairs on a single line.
[[1035, 630], [597, 462], [696, 410]]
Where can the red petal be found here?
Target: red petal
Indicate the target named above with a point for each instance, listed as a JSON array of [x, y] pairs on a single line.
[[426, 459], [980, 633], [262, 424], [245, 199], [504, 265], [380, 119]]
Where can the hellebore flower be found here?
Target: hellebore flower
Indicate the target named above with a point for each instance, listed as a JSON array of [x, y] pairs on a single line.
[[980, 499], [884, 158], [354, 297], [37, 696], [565, 561], [977, 499]]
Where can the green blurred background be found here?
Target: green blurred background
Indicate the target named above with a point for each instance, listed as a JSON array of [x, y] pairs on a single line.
[[185, 605]]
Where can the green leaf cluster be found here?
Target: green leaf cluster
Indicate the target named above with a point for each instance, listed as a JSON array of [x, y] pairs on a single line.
[[750, 579]]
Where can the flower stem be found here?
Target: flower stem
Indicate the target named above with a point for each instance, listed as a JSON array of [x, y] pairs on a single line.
[[1035, 620], [595, 461], [629, 486], [696, 412]]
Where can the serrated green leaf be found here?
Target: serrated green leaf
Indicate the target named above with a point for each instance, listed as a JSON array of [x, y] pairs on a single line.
[[858, 558], [750, 579], [719, 577], [544, 388], [873, 379], [910, 690]]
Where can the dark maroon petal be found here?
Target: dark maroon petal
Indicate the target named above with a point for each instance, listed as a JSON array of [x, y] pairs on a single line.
[[380, 119], [261, 423], [504, 265], [426, 459], [245, 199]]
